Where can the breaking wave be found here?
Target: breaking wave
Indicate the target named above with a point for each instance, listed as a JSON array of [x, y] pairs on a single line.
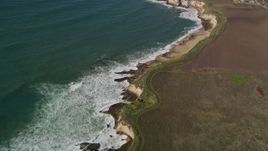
[[70, 114]]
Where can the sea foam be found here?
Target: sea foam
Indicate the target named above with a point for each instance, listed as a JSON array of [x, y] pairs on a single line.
[[70, 114]]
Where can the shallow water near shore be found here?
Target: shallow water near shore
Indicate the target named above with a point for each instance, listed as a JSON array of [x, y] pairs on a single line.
[[58, 61]]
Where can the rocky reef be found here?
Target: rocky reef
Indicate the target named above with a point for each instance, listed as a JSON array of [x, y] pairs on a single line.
[[89, 146]]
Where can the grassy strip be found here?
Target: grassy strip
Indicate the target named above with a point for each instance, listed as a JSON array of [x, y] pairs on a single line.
[[240, 79], [133, 111]]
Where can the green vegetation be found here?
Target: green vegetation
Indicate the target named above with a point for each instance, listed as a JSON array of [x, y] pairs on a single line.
[[134, 110], [208, 113], [239, 78], [213, 110]]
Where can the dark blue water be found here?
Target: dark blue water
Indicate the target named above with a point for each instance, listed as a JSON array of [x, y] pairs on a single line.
[[45, 45]]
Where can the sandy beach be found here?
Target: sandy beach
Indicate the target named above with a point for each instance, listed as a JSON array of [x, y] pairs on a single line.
[[185, 45]]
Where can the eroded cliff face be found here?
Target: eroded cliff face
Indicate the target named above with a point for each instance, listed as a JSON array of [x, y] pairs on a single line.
[[184, 3]]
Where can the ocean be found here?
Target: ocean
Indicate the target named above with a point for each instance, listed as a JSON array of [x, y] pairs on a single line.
[[58, 61]]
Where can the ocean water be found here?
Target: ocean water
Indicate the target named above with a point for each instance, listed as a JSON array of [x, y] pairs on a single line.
[[57, 64]]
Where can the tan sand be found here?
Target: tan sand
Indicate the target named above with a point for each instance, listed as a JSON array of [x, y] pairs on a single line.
[[184, 46], [125, 129], [134, 90]]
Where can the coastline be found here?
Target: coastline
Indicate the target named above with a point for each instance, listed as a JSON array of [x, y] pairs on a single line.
[[201, 84], [177, 50], [184, 117]]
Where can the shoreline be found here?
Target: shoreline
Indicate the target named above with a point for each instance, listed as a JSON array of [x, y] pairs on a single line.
[[184, 116], [177, 49]]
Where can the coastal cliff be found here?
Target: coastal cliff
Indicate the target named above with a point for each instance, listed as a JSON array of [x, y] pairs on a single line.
[[208, 22], [134, 93], [212, 26], [184, 3]]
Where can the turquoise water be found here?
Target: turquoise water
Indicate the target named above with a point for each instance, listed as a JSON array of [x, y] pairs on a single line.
[[57, 60]]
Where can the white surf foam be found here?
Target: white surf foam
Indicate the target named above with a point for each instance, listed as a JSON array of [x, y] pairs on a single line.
[[187, 13], [70, 114], [74, 86]]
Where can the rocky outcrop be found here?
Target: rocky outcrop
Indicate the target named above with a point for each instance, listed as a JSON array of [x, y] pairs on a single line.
[[89, 146], [185, 3], [182, 3], [141, 67], [262, 3], [121, 126], [131, 93], [173, 2]]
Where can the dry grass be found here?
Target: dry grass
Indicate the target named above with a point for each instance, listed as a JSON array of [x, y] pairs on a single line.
[[206, 111], [243, 45]]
